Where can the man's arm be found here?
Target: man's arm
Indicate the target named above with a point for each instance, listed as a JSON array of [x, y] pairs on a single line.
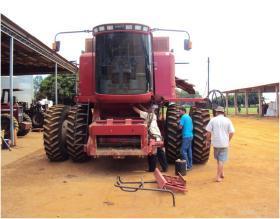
[[230, 135], [230, 130], [208, 139], [136, 109], [143, 108], [141, 113], [208, 136], [181, 123]]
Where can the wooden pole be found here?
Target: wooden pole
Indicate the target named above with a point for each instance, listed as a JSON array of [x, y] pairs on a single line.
[[260, 102], [235, 103], [246, 102], [227, 103], [208, 71], [277, 99]]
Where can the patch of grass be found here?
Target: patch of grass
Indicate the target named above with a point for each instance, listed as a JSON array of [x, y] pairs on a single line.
[[251, 110]]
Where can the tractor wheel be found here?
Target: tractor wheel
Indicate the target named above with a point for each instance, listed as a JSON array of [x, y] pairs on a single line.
[[200, 119], [5, 124], [38, 120], [77, 133], [173, 135], [21, 131], [55, 126]]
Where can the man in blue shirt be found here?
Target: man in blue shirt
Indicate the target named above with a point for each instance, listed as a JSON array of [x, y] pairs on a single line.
[[187, 135]]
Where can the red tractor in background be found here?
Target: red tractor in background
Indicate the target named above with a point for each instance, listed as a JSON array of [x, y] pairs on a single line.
[[124, 66], [21, 120]]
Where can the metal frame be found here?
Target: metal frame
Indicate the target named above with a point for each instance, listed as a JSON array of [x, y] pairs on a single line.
[[11, 91], [171, 30], [113, 127], [124, 186]]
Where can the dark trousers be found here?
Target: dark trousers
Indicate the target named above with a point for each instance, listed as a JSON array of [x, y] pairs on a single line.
[[160, 157]]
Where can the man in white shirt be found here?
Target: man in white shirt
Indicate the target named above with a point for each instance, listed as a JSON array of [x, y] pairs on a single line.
[[220, 130], [151, 119], [154, 132]]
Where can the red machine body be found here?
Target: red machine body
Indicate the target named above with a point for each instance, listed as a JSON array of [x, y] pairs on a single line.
[[18, 113], [164, 75], [141, 72]]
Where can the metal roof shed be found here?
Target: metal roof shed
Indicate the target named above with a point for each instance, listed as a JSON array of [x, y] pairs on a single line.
[[23, 54], [260, 89]]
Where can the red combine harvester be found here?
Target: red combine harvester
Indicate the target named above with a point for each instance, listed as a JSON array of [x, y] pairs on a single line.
[[124, 66]]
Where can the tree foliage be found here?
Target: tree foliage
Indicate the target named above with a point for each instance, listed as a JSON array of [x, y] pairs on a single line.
[[183, 94], [252, 99], [65, 88], [37, 80]]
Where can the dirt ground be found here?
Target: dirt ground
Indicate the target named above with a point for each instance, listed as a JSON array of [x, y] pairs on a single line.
[[34, 187]]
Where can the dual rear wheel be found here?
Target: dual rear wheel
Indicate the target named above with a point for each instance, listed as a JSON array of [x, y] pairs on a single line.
[[65, 133], [173, 139]]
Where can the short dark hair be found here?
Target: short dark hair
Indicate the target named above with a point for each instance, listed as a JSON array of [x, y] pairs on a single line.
[[183, 109]]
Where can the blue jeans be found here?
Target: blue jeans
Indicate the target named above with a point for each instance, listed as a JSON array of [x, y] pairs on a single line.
[[186, 151]]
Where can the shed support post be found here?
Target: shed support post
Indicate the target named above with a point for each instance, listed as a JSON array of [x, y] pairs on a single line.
[[235, 103], [227, 103], [246, 102], [11, 91], [56, 101], [277, 99], [260, 102]]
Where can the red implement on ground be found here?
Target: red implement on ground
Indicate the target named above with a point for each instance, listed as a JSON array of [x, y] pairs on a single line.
[[174, 183]]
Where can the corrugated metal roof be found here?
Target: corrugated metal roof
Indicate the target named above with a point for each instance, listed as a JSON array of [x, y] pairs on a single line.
[[266, 88], [31, 56]]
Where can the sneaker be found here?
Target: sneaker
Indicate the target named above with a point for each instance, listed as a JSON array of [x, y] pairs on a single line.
[[189, 168]]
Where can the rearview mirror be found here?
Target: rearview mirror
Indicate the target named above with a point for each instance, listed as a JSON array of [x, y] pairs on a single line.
[[56, 46], [187, 44]]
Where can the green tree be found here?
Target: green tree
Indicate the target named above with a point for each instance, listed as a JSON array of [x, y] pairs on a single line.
[[37, 80], [252, 99], [65, 88], [183, 94]]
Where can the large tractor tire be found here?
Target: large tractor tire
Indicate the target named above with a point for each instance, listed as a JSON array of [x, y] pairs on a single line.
[[38, 120], [200, 119], [5, 124], [55, 127], [21, 131], [173, 135], [77, 133]]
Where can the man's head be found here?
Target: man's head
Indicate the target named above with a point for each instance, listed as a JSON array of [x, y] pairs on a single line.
[[152, 108], [220, 110], [182, 110]]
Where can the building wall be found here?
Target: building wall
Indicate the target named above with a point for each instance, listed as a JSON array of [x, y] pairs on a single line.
[[21, 82]]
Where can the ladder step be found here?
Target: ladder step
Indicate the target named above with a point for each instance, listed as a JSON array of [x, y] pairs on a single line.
[[80, 134], [83, 124]]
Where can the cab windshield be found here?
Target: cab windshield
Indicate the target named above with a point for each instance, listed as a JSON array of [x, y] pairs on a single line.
[[123, 63]]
